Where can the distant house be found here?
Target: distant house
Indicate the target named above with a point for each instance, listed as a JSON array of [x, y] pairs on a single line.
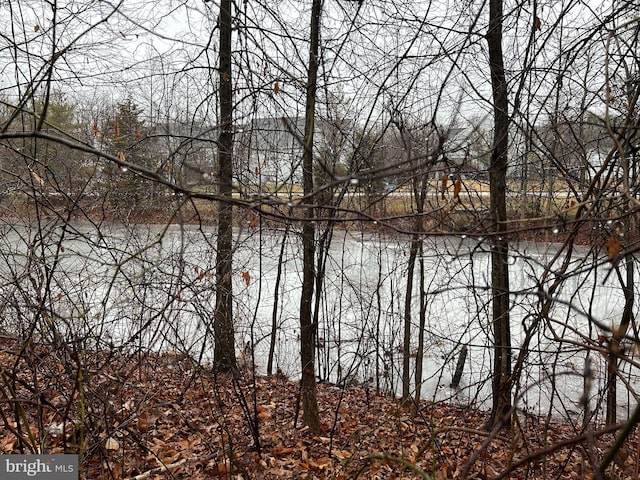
[[269, 151], [190, 149]]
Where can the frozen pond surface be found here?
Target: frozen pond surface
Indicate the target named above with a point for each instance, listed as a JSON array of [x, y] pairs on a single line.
[[152, 286]]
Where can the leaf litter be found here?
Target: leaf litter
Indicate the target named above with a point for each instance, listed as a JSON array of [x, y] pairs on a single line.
[[152, 416]]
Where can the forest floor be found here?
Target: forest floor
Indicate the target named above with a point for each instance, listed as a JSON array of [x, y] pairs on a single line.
[[163, 416]]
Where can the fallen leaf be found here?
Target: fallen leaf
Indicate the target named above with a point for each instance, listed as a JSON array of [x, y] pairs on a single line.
[[111, 444], [142, 424], [56, 429], [283, 450], [319, 463]]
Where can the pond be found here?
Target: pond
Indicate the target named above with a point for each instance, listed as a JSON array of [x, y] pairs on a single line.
[[150, 286]]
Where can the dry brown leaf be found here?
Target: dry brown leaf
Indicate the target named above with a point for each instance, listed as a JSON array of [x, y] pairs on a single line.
[[189, 443], [169, 455], [263, 413], [283, 450], [537, 24], [457, 186], [319, 463], [613, 247], [443, 186], [142, 424]]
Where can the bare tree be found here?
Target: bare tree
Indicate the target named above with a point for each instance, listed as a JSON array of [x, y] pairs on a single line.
[[625, 71], [311, 417], [501, 382], [382, 246], [225, 358]]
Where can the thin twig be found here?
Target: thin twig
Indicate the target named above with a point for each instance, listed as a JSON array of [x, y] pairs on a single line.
[[557, 446], [171, 466], [391, 458]]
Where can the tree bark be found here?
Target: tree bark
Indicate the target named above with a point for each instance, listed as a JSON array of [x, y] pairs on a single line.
[[406, 338], [310, 415], [276, 297], [628, 287], [628, 161], [501, 382], [617, 336], [224, 354]]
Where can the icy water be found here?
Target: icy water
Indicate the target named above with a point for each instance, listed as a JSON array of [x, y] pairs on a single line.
[[153, 287]]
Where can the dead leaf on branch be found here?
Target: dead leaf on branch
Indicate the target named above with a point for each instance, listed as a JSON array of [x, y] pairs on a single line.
[[457, 187], [443, 185], [537, 24], [613, 247]]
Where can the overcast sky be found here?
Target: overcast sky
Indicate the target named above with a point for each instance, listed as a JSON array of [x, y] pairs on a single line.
[[422, 59]]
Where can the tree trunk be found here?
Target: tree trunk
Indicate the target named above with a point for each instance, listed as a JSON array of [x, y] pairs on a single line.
[[628, 286], [276, 296], [406, 343], [310, 415], [501, 382], [617, 336], [420, 193], [421, 325], [628, 161], [224, 355]]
